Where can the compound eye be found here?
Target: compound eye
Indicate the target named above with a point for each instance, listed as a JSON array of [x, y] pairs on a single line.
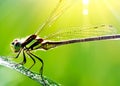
[[17, 44]]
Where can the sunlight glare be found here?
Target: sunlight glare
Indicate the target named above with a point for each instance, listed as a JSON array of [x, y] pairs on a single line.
[[85, 7], [85, 2], [85, 11]]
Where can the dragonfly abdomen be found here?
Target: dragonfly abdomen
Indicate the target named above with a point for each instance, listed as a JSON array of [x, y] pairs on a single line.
[[49, 45]]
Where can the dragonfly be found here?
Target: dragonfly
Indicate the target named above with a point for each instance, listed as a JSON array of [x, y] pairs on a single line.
[[58, 38]]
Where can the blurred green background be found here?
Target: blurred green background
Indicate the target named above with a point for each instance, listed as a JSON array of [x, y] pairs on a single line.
[[81, 64]]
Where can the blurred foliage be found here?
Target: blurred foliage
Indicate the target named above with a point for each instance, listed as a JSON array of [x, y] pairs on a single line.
[[81, 64]]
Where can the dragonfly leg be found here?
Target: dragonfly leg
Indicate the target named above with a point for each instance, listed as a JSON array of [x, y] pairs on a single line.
[[32, 59], [18, 54], [41, 69], [24, 59]]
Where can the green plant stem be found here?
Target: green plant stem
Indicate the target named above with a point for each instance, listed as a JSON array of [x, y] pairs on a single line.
[[20, 68]]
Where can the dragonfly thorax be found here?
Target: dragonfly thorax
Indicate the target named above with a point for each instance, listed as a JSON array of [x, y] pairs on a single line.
[[16, 45]]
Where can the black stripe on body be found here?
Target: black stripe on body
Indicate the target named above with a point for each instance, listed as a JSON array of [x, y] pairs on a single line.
[[28, 40], [38, 42]]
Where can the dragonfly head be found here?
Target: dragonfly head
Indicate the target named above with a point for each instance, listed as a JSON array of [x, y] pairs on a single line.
[[16, 45]]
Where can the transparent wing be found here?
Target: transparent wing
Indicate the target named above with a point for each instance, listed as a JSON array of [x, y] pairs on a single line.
[[81, 32], [55, 14]]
